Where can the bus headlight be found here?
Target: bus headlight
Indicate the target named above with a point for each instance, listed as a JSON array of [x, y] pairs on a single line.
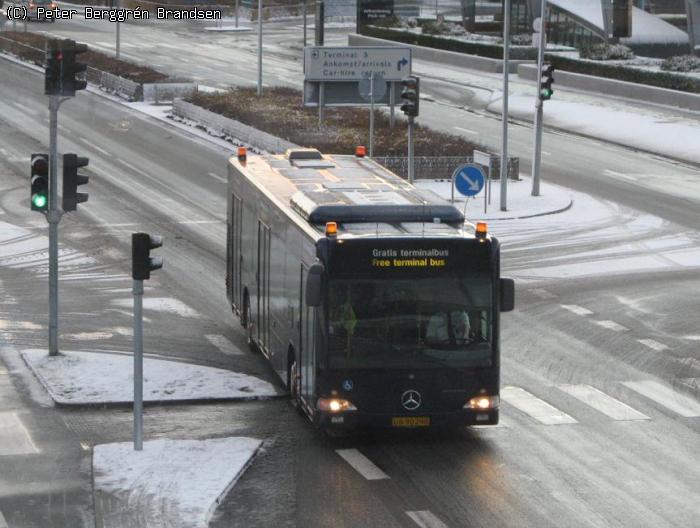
[[335, 405], [483, 403]]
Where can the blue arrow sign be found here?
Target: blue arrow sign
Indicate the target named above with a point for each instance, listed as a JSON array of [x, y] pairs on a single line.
[[402, 62], [469, 179]]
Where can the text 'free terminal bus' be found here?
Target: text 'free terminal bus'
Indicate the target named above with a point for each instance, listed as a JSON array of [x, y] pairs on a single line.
[[373, 300]]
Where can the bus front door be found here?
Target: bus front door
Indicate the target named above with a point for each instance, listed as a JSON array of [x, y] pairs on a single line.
[[308, 345]]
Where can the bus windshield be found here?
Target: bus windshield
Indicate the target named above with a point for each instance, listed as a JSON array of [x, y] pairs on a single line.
[[418, 322]]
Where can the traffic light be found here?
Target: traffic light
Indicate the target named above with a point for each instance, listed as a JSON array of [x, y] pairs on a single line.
[[39, 180], [546, 80], [63, 75], [72, 74], [142, 264], [410, 95], [52, 70], [71, 180]]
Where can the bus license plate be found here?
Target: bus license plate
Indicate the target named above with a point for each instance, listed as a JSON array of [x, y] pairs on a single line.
[[410, 421]]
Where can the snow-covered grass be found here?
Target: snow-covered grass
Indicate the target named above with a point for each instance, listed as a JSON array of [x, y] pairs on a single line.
[[79, 378], [645, 132], [174, 483]]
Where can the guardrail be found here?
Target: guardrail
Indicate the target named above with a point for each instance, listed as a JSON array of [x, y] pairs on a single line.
[[442, 167]]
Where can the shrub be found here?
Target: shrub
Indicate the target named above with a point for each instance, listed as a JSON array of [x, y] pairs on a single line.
[[433, 28], [279, 111], [681, 63], [522, 40], [668, 80], [604, 51], [494, 51]]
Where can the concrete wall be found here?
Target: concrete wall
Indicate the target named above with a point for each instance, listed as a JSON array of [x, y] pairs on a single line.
[[628, 90], [231, 127], [167, 91], [452, 58]]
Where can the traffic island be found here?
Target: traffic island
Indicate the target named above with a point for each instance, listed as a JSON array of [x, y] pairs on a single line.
[[125, 79], [169, 482], [103, 378]]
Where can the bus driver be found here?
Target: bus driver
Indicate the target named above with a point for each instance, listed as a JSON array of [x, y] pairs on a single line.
[[443, 330]]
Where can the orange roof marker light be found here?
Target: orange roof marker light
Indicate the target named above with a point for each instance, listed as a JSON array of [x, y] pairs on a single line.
[[331, 229], [481, 230], [242, 154], [360, 151]]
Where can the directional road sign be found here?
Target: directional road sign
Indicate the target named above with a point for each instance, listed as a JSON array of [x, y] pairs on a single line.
[[354, 63], [469, 179]]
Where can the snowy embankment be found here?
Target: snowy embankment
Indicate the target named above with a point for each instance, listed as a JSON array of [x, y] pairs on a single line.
[[679, 140], [175, 483], [79, 378]]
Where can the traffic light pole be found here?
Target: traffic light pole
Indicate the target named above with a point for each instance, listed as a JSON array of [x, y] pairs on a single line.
[[138, 364], [53, 217], [539, 106], [411, 164], [504, 116]]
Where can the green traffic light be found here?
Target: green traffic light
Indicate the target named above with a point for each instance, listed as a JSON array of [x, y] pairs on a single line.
[[39, 200]]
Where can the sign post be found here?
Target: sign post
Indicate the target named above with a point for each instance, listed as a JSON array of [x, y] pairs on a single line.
[[484, 159], [372, 88]]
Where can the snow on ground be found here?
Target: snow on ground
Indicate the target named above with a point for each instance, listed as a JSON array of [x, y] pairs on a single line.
[[644, 132], [519, 202], [79, 378], [160, 304], [175, 483]]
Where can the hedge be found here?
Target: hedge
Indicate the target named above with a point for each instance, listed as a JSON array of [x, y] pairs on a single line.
[[615, 71], [493, 51]]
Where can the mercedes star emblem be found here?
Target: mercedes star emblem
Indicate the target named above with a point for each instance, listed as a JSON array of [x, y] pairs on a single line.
[[411, 400]]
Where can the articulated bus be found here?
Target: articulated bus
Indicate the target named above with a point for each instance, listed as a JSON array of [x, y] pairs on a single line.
[[373, 300]]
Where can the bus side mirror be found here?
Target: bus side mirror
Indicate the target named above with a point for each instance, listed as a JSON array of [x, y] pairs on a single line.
[[507, 295], [314, 285]]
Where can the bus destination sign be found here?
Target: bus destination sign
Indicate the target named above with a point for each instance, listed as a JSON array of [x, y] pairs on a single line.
[[411, 257]]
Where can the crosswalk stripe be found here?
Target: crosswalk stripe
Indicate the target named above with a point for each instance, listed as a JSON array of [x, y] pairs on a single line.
[[425, 519], [654, 345], [666, 396], [600, 401], [578, 310], [612, 325], [224, 345], [538, 409], [14, 438], [362, 464], [3, 522]]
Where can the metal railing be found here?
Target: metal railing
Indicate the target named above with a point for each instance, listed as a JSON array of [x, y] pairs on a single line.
[[442, 167]]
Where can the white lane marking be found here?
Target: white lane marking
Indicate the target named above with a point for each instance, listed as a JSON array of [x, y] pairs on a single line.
[[84, 446], [666, 396], [542, 293], [612, 325], [545, 153], [602, 402], [578, 310], [224, 345], [692, 337], [622, 175], [3, 522], [425, 519], [531, 405], [654, 345], [217, 177], [362, 464], [133, 168], [92, 145], [468, 131], [14, 437]]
